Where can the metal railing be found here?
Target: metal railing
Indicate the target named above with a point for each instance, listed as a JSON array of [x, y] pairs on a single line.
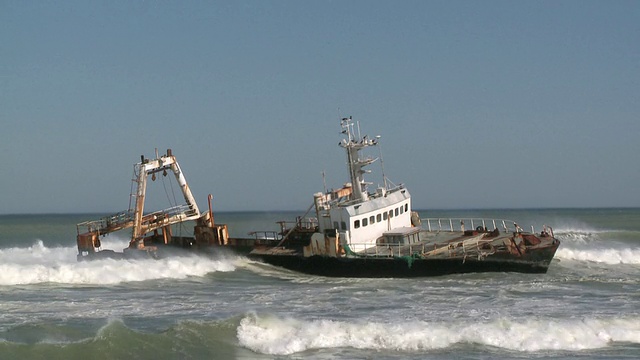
[[265, 235], [300, 223], [185, 210], [471, 247], [370, 195], [390, 250], [463, 224], [105, 222], [120, 219]]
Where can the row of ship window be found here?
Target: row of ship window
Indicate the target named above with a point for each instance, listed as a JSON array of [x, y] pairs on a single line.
[[381, 217]]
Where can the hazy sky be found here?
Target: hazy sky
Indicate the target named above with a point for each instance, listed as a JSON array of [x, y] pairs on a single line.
[[480, 104]]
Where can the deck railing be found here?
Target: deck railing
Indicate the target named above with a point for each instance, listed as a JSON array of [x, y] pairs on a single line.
[[469, 247], [265, 236], [185, 210], [300, 223], [463, 224], [105, 222], [125, 219], [389, 250], [373, 195]]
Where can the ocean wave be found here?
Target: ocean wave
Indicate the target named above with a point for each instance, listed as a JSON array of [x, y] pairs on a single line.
[[587, 236], [269, 335], [577, 236], [599, 246], [284, 336], [610, 256], [39, 264]]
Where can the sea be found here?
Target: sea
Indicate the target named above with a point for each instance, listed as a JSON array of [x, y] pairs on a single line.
[[587, 306]]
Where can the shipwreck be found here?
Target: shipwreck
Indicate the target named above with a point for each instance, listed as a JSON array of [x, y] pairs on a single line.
[[151, 233]]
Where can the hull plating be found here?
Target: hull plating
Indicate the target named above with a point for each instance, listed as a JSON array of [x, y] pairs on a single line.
[[381, 267]]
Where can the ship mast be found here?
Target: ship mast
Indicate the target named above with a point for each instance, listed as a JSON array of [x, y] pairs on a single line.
[[353, 144]]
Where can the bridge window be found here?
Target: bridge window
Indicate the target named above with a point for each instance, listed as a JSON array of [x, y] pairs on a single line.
[[390, 214], [401, 209], [372, 219], [365, 222], [384, 216], [378, 218], [356, 224], [335, 224], [343, 225], [396, 211], [406, 207]]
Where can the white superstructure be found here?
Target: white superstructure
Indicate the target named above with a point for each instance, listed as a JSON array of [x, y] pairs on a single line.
[[358, 217]]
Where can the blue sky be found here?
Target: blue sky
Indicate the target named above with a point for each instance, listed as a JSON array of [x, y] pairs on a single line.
[[480, 104]]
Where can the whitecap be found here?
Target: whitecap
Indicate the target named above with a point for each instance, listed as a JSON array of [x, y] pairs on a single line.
[[284, 336]]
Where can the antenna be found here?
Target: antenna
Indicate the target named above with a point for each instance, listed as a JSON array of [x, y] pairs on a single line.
[[324, 182], [384, 177]]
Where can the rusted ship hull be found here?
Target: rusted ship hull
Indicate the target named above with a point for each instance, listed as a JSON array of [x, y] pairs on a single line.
[[535, 261], [362, 233]]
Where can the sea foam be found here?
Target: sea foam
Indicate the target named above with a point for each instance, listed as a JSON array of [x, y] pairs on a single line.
[[39, 264], [283, 336], [597, 246], [608, 256]]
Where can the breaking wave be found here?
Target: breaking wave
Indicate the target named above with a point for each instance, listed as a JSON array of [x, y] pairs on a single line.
[[608, 256], [40, 264], [265, 336], [283, 336], [575, 236], [599, 246]]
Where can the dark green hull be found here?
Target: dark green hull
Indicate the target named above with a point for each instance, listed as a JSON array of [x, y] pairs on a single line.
[[535, 261]]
